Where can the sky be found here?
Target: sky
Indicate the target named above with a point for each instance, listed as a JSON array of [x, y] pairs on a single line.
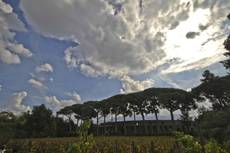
[[62, 52]]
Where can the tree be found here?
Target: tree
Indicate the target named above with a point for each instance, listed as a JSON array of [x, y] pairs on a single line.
[[170, 102], [227, 54], [214, 124], [7, 116], [133, 109], [217, 91], [176, 99], [139, 103], [114, 104], [187, 103], [208, 76], [7, 126], [153, 105], [87, 111], [105, 109], [76, 109], [68, 113], [63, 127], [96, 112], [40, 123]]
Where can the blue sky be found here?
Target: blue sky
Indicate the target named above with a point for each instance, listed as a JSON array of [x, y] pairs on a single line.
[[65, 52]]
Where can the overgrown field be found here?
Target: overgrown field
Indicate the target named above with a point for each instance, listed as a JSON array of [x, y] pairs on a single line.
[[102, 144]]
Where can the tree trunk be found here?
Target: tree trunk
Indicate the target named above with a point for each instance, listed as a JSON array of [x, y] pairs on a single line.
[[115, 118], [116, 129], [104, 127], [97, 125], [97, 119], [172, 116], [124, 118], [134, 116], [156, 115], [125, 130], [143, 116], [104, 118], [70, 126], [77, 122]]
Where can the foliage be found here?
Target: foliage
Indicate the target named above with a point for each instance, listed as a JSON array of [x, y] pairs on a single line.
[[188, 144], [214, 124], [208, 76], [216, 90], [213, 147], [40, 123], [86, 141], [7, 126], [227, 54]]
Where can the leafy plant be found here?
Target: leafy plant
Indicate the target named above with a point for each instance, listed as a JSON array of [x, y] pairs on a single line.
[[188, 144], [213, 147], [86, 140]]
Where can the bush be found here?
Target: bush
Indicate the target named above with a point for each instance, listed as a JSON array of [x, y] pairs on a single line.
[[86, 141], [213, 147], [187, 144]]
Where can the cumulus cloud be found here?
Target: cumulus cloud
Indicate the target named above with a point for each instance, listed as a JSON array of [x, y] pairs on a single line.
[[47, 68], [130, 41], [15, 103], [10, 50], [20, 50], [56, 103], [37, 84], [130, 85], [6, 8], [125, 38], [74, 95], [7, 56]]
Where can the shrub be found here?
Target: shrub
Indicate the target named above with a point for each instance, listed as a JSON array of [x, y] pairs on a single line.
[[86, 141], [187, 143], [213, 147]]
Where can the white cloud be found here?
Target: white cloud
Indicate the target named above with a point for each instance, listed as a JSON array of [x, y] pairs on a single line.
[[7, 56], [44, 68], [125, 38], [15, 103], [57, 103], [37, 84], [1, 87], [20, 50], [130, 85], [204, 62], [6, 8], [10, 50], [130, 41], [74, 95]]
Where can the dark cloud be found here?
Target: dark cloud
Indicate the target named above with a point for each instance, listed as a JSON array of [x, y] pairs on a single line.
[[192, 35], [203, 27]]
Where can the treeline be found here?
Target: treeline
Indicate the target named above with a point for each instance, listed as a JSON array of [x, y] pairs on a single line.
[[149, 101], [39, 123]]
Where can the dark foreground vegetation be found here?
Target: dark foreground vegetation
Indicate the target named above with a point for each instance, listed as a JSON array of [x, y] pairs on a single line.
[[210, 135]]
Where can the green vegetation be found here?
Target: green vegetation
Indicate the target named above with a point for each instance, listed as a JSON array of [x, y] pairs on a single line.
[[86, 141], [189, 144]]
